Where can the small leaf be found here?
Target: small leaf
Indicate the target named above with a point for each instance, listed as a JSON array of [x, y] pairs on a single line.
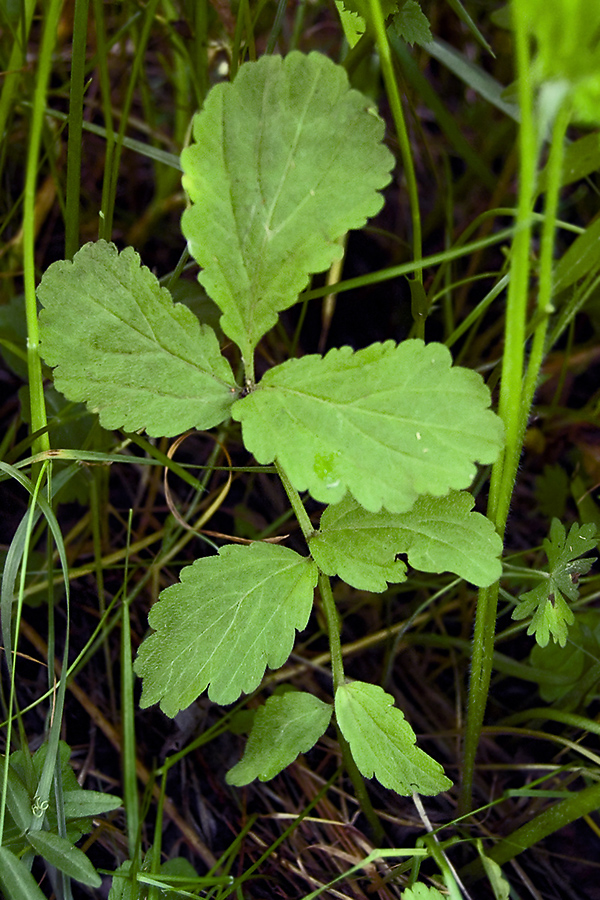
[[387, 423], [16, 880], [551, 614], [285, 726], [421, 891], [286, 159], [63, 855], [122, 346], [230, 617], [383, 743], [354, 25], [411, 24], [439, 534], [81, 804]]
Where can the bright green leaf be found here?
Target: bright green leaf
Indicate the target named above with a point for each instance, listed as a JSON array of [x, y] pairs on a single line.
[[421, 891], [288, 724], [122, 346], [386, 423], [286, 159], [16, 880], [546, 602], [63, 855], [230, 617], [383, 743], [411, 24], [439, 534], [354, 25]]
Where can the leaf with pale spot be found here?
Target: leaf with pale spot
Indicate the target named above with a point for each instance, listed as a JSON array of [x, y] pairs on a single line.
[[387, 423], [230, 617], [288, 724], [383, 743]]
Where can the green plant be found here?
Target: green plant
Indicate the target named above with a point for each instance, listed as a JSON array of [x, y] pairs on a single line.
[[286, 159]]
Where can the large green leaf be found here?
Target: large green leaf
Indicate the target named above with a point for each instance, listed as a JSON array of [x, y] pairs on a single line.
[[383, 743], [286, 159], [288, 724], [231, 616], [387, 423], [63, 855], [439, 534], [122, 346]]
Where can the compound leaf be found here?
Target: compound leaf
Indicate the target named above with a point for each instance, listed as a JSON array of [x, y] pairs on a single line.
[[230, 616], [387, 423], [439, 534], [286, 159], [547, 602], [383, 743], [411, 24], [122, 346], [288, 724]]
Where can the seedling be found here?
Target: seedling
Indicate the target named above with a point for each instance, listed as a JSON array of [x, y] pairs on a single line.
[[285, 160]]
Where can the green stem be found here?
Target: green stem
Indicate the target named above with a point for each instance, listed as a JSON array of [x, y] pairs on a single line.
[[80, 19], [516, 391], [297, 505], [337, 660], [391, 85], [34, 364]]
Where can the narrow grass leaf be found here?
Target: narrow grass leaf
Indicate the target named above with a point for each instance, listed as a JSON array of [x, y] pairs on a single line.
[[439, 534], [16, 880], [286, 159], [383, 743], [122, 346], [230, 617], [63, 855], [387, 423], [288, 724]]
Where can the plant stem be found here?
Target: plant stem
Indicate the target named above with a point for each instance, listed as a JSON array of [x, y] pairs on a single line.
[[391, 85], [337, 660], [297, 505], [34, 365], [516, 391], [80, 19]]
